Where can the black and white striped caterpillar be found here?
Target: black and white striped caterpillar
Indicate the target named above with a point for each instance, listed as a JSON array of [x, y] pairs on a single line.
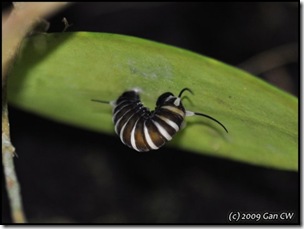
[[145, 130]]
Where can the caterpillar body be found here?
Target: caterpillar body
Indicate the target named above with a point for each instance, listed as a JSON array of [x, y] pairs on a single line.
[[144, 130]]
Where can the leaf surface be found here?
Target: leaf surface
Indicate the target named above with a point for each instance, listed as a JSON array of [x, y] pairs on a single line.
[[57, 75]]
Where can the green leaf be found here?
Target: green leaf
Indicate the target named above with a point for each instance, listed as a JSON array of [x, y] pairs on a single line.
[[57, 75]]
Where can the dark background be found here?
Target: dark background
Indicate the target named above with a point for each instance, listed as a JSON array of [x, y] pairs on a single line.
[[70, 175]]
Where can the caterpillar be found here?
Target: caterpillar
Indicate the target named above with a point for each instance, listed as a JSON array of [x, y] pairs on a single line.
[[144, 130]]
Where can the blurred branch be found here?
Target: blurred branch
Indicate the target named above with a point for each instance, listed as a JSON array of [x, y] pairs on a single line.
[[271, 59], [19, 23], [15, 26]]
